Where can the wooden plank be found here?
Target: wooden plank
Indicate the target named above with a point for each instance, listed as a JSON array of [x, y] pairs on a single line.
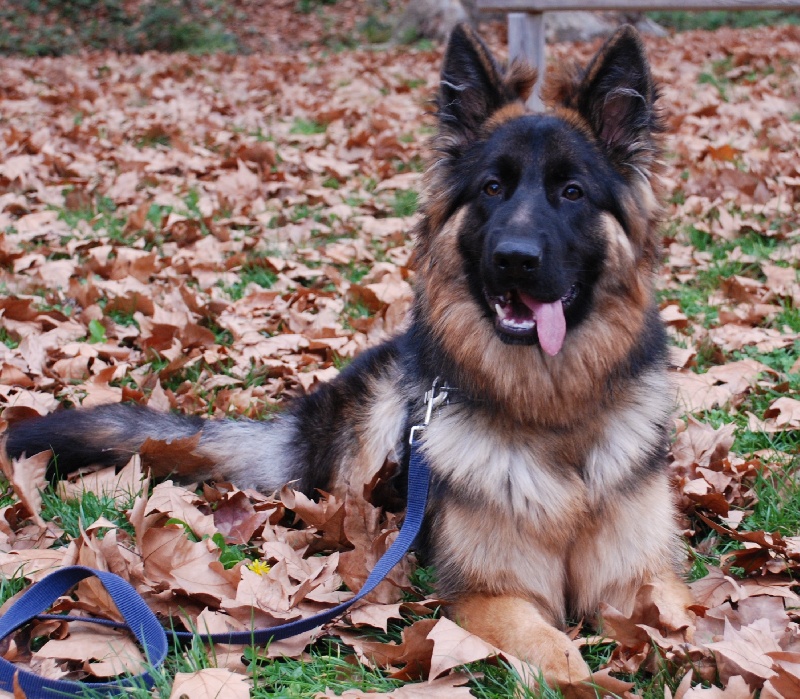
[[526, 40], [642, 5]]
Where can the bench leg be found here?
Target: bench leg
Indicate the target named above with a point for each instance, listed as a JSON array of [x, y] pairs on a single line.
[[526, 40]]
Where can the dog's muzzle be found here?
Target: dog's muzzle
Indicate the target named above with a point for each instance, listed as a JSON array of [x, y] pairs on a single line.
[[520, 315]]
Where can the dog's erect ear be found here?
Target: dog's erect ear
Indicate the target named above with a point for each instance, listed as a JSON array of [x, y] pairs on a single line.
[[473, 86], [617, 97]]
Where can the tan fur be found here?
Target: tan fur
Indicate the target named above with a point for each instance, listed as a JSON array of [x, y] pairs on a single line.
[[520, 79], [548, 521], [630, 427], [532, 386], [504, 114], [518, 557], [626, 542], [560, 83], [620, 250], [519, 627], [379, 436], [645, 203], [575, 120]]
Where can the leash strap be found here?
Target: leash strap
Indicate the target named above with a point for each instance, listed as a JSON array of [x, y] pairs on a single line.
[[144, 625]]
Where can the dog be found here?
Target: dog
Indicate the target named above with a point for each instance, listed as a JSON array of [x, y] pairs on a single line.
[[536, 256]]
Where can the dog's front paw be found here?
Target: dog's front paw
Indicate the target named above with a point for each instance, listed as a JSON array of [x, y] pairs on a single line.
[[518, 627]]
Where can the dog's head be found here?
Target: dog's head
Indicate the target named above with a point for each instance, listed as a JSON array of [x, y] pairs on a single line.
[[543, 209]]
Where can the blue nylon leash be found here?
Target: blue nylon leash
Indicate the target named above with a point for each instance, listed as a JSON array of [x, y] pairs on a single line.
[[144, 625]]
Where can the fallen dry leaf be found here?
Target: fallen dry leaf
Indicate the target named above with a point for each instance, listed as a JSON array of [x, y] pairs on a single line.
[[216, 233], [27, 478], [736, 689], [453, 646], [441, 688], [743, 653], [108, 652], [210, 683]]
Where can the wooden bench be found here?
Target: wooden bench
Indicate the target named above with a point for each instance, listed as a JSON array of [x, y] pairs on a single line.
[[526, 19]]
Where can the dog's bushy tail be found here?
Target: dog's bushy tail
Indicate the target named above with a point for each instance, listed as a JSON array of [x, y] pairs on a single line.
[[254, 454]]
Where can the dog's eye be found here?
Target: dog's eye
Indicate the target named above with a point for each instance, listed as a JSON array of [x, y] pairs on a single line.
[[572, 192], [492, 188]]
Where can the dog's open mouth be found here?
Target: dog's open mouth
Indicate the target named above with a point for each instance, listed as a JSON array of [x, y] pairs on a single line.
[[520, 315]]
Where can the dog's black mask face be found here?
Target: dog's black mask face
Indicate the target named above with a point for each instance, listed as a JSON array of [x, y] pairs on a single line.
[[534, 244], [539, 188]]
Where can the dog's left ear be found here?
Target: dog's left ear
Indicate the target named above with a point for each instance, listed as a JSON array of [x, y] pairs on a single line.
[[617, 97], [473, 86]]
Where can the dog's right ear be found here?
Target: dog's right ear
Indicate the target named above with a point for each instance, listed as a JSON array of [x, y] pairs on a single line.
[[473, 86]]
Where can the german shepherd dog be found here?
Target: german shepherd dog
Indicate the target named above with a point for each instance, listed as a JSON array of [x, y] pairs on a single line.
[[536, 258]]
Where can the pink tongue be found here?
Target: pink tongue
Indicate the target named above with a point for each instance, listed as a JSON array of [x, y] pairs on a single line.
[[550, 324]]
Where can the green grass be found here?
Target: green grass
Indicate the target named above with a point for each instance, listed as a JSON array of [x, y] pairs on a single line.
[[415, 164], [10, 586], [102, 216], [499, 680], [305, 7], [330, 666], [788, 316], [97, 332], [721, 84], [781, 360], [777, 508], [190, 374], [151, 140], [693, 295], [57, 27], [251, 274], [7, 339], [423, 580], [354, 311], [221, 335], [307, 127], [757, 401], [122, 318], [773, 503], [685, 21], [75, 514], [355, 271], [405, 202], [375, 30]]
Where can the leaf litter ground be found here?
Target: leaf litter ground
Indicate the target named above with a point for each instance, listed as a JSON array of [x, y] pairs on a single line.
[[216, 234]]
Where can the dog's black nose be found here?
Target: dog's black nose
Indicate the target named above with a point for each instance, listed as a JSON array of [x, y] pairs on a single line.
[[517, 259]]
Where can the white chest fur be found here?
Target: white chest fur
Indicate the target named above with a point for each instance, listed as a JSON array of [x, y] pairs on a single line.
[[507, 470], [527, 470], [535, 519], [632, 431]]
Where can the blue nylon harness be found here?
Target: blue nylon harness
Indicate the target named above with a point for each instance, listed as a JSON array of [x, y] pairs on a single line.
[[143, 623]]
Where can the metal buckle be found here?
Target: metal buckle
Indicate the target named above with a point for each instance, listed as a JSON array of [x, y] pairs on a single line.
[[435, 397]]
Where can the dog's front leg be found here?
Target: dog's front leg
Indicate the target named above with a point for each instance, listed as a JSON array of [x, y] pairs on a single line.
[[517, 626]]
